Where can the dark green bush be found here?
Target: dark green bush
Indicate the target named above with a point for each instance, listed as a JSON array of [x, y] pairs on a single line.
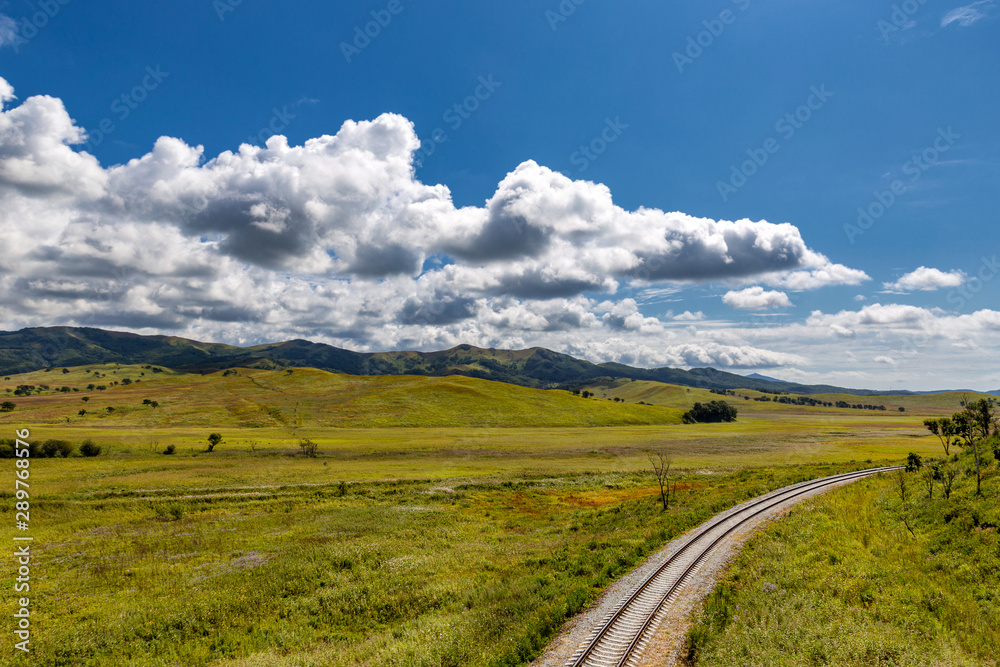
[[711, 412], [89, 448], [53, 448]]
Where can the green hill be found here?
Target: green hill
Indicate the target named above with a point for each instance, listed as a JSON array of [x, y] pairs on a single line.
[[301, 397], [34, 349]]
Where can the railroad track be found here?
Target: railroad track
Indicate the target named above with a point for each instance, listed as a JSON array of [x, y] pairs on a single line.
[[621, 638]]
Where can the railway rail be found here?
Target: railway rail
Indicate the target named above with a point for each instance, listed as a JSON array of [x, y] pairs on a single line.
[[621, 638]]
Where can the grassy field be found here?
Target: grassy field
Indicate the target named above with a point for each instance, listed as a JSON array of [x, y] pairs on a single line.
[[475, 572], [667, 395], [444, 521], [862, 577]]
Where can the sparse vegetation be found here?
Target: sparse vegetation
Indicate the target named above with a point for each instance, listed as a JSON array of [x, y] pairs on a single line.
[[308, 447]]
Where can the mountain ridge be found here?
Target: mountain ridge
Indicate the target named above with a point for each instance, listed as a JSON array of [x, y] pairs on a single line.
[[44, 347]]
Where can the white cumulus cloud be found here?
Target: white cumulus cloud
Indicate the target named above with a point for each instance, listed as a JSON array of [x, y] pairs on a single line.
[[756, 298], [927, 279]]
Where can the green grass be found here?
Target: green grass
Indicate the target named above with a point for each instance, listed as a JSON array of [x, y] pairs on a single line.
[[474, 572], [844, 582]]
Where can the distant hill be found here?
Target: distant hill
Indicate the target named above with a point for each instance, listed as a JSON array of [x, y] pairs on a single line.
[[38, 348], [758, 376]]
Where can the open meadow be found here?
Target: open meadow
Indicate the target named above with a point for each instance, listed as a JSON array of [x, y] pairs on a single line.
[[455, 529]]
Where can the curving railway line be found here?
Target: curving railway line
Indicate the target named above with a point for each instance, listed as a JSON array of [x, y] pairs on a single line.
[[621, 638]]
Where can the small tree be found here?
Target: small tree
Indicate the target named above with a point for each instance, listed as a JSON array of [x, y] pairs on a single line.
[[7, 406], [660, 461], [901, 486], [913, 462], [974, 425], [930, 475], [948, 476], [213, 440], [944, 429], [308, 447]]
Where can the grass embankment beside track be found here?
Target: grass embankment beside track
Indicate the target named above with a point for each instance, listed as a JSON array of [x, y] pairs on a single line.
[[474, 572], [844, 581]]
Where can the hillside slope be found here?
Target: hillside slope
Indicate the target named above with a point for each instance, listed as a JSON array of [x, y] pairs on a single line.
[[295, 398]]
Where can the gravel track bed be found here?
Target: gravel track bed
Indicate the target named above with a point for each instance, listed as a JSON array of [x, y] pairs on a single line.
[[668, 640]]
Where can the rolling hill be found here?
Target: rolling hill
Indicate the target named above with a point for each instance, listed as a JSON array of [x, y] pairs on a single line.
[[38, 348], [112, 396]]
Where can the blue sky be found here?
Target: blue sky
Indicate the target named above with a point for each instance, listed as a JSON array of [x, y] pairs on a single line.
[[792, 116]]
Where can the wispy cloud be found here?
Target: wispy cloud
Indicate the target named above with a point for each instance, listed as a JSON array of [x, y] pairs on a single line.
[[969, 14], [8, 30], [658, 294]]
